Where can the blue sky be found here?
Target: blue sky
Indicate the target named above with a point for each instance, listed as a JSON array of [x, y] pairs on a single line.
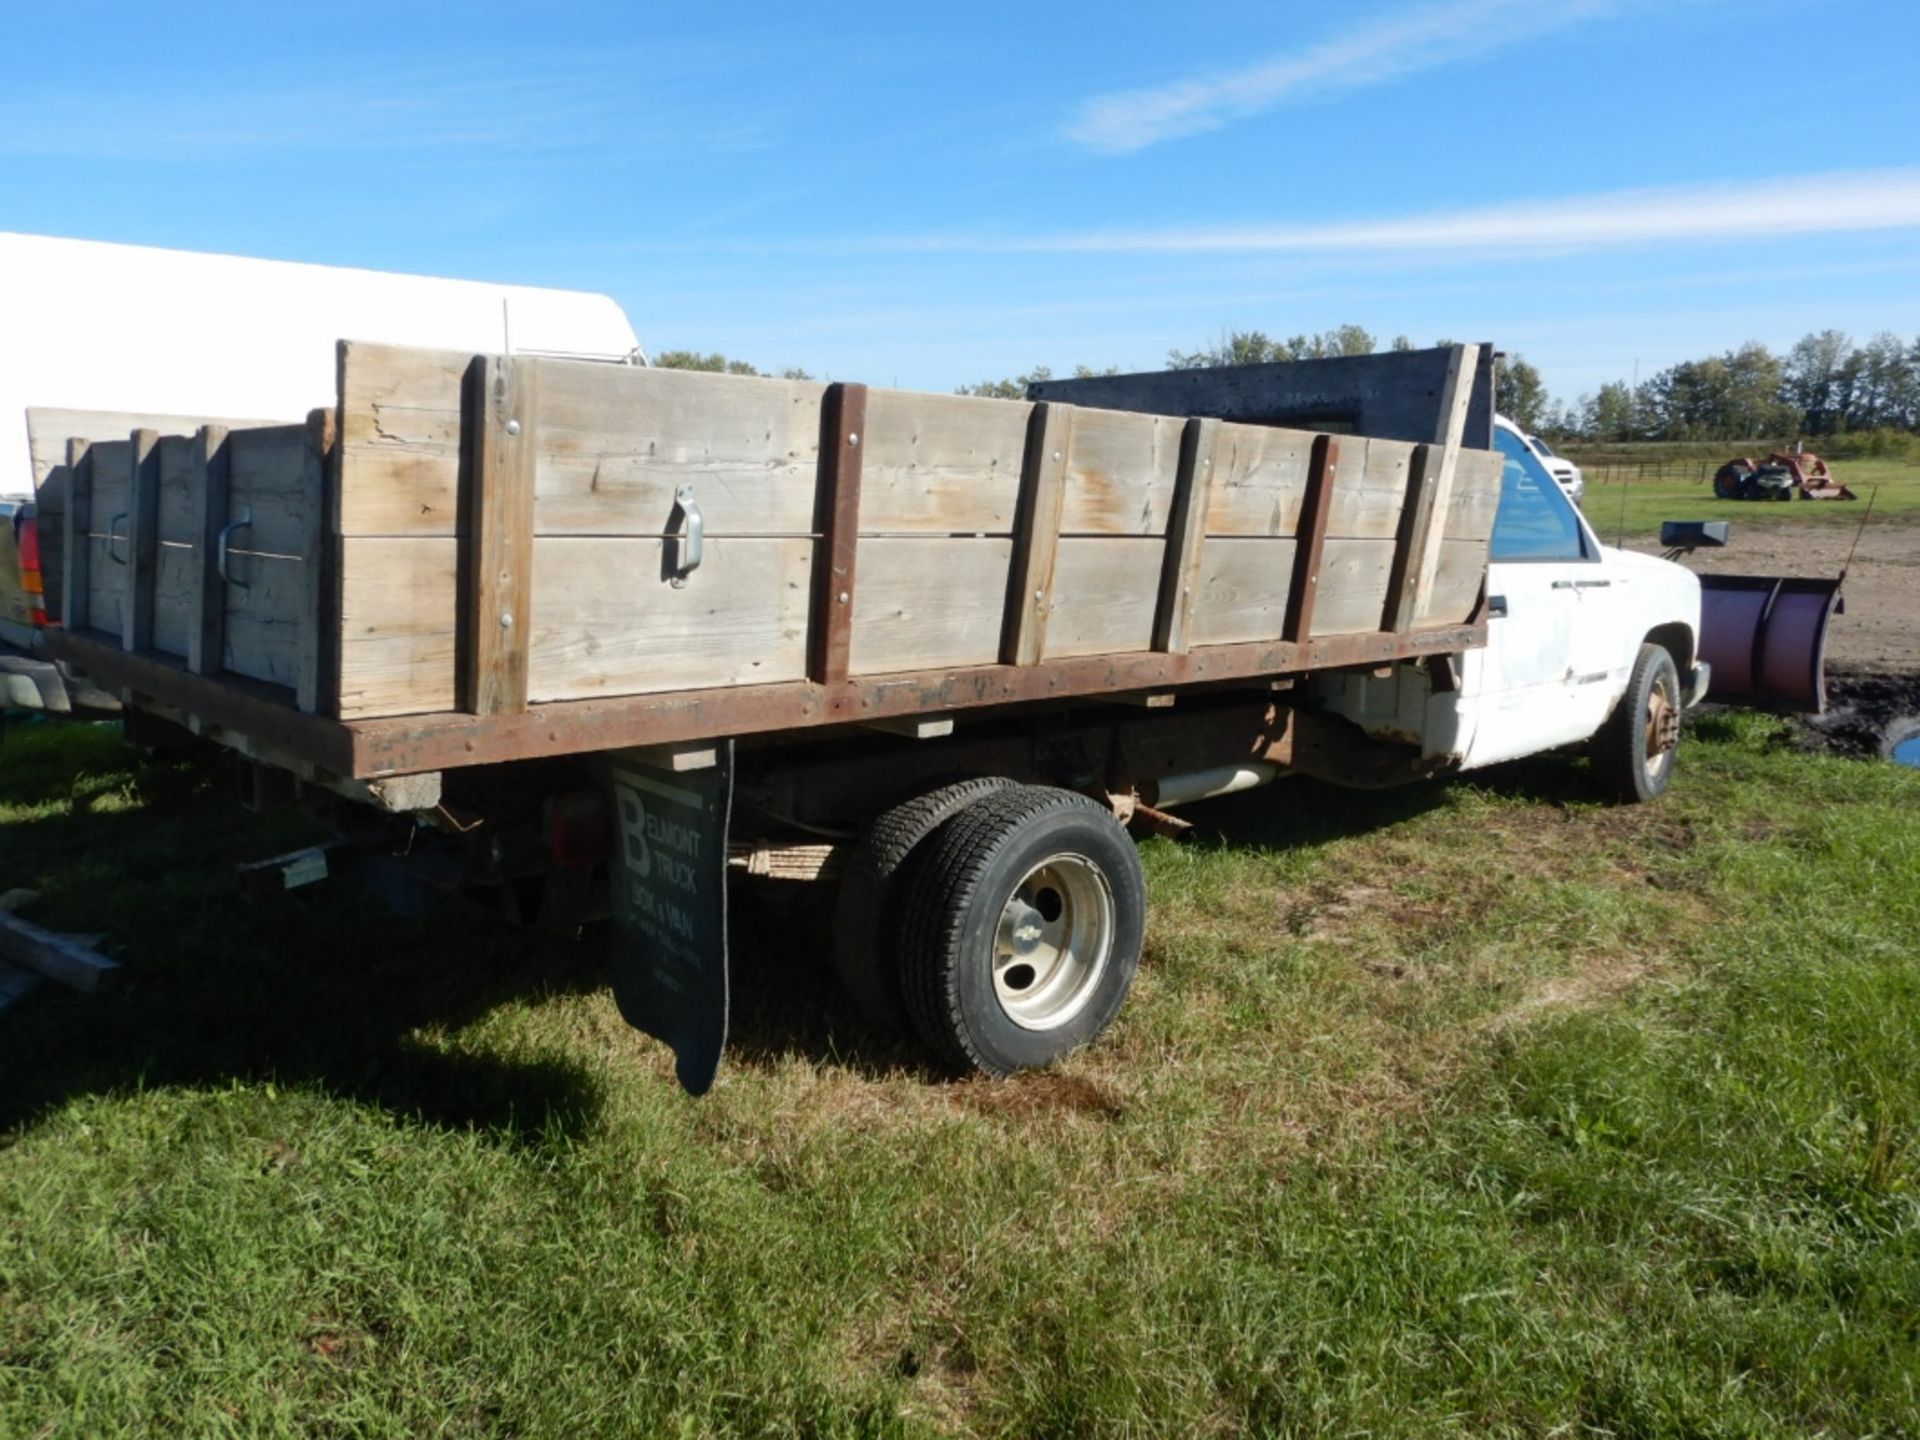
[[931, 194]]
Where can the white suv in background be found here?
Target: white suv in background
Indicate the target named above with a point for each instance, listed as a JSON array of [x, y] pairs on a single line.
[[1563, 470]]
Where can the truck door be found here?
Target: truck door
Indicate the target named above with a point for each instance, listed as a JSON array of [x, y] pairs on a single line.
[[1537, 684]]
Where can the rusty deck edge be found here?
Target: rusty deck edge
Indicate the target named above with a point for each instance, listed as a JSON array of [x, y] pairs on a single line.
[[403, 745]]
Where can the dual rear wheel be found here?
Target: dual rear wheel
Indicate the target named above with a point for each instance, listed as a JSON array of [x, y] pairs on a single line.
[[1003, 922]]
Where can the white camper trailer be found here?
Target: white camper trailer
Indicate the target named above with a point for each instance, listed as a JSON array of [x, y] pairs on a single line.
[[98, 340]]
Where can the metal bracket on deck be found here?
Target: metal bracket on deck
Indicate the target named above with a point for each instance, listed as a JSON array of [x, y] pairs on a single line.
[[693, 541], [220, 546]]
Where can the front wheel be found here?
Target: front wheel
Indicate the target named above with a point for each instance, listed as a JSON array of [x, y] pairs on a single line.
[[1021, 932], [1634, 752]]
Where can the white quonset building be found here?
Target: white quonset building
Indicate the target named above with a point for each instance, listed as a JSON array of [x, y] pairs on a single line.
[[140, 331]]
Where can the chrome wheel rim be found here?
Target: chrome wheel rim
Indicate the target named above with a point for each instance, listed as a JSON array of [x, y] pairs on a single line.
[[1663, 728], [1053, 942]]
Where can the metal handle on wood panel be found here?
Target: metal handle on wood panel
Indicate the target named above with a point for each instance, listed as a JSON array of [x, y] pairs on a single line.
[[112, 525], [693, 542], [220, 546]]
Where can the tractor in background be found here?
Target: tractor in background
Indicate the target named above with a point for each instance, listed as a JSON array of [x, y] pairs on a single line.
[[1781, 476]]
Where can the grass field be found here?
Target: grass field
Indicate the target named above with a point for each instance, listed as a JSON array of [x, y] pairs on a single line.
[[1893, 484], [1475, 1109]]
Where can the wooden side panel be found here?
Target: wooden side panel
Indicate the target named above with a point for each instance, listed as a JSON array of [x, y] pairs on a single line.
[[143, 543], [497, 593], [71, 584], [175, 574], [616, 441], [928, 602], [207, 495], [49, 429], [836, 591], [1121, 472], [1036, 535], [400, 413], [606, 624], [396, 624], [1106, 590], [941, 464], [112, 465], [1240, 591], [268, 479], [976, 544], [1260, 480], [1186, 535], [1355, 576]]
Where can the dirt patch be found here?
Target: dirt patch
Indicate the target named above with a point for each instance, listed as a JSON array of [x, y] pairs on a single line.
[[1867, 714], [1598, 983]]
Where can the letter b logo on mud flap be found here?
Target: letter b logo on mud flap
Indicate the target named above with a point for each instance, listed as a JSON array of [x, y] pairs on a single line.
[[633, 834]]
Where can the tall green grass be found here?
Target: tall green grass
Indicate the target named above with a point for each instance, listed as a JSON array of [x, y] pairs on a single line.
[[1477, 1109]]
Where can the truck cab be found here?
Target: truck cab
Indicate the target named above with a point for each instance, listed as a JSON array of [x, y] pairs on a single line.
[[1583, 640], [1562, 469]]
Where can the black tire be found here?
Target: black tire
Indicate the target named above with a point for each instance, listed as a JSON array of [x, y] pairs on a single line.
[[1634, 752], [867, 910], [1728, 481], [1027, 844]]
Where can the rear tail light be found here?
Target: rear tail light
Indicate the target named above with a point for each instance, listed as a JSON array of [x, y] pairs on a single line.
[[579, 828], [28, 546]]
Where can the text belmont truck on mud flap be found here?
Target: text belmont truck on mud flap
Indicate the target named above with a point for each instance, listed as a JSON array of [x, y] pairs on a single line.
[[604, 639]]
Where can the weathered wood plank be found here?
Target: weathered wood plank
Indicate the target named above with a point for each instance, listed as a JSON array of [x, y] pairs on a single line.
[[843, 423], [1121, 473], [143, 541], [617, 442], [1240, 589], [207, 609], [50, 427], [67, 959], [397, 602], [609, 623], [313, 650], [930, 601], [1036, 540], [76, 578], [1304, 592], [400, 416], [1186, 534], [498, 600], [1104, 594], [941, 464], [1429, 497]]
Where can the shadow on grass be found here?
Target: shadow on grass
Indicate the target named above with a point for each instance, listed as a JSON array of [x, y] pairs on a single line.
[[326, 986], [321, 986]]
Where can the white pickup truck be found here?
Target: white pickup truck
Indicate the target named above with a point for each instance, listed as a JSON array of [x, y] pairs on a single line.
[[1584, 643]]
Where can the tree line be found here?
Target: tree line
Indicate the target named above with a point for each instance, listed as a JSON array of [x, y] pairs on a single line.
[[1825, 385]]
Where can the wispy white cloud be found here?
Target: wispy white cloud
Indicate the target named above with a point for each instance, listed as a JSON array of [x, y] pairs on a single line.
[[1752, 211], [1369, 54]]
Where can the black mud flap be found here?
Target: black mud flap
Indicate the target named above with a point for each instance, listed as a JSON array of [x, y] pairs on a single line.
[[670, 908]]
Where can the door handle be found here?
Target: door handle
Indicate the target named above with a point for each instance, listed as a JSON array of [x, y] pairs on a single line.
[[1496, 607]]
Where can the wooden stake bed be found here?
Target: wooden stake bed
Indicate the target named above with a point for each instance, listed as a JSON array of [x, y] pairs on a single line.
[[475, 559]]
